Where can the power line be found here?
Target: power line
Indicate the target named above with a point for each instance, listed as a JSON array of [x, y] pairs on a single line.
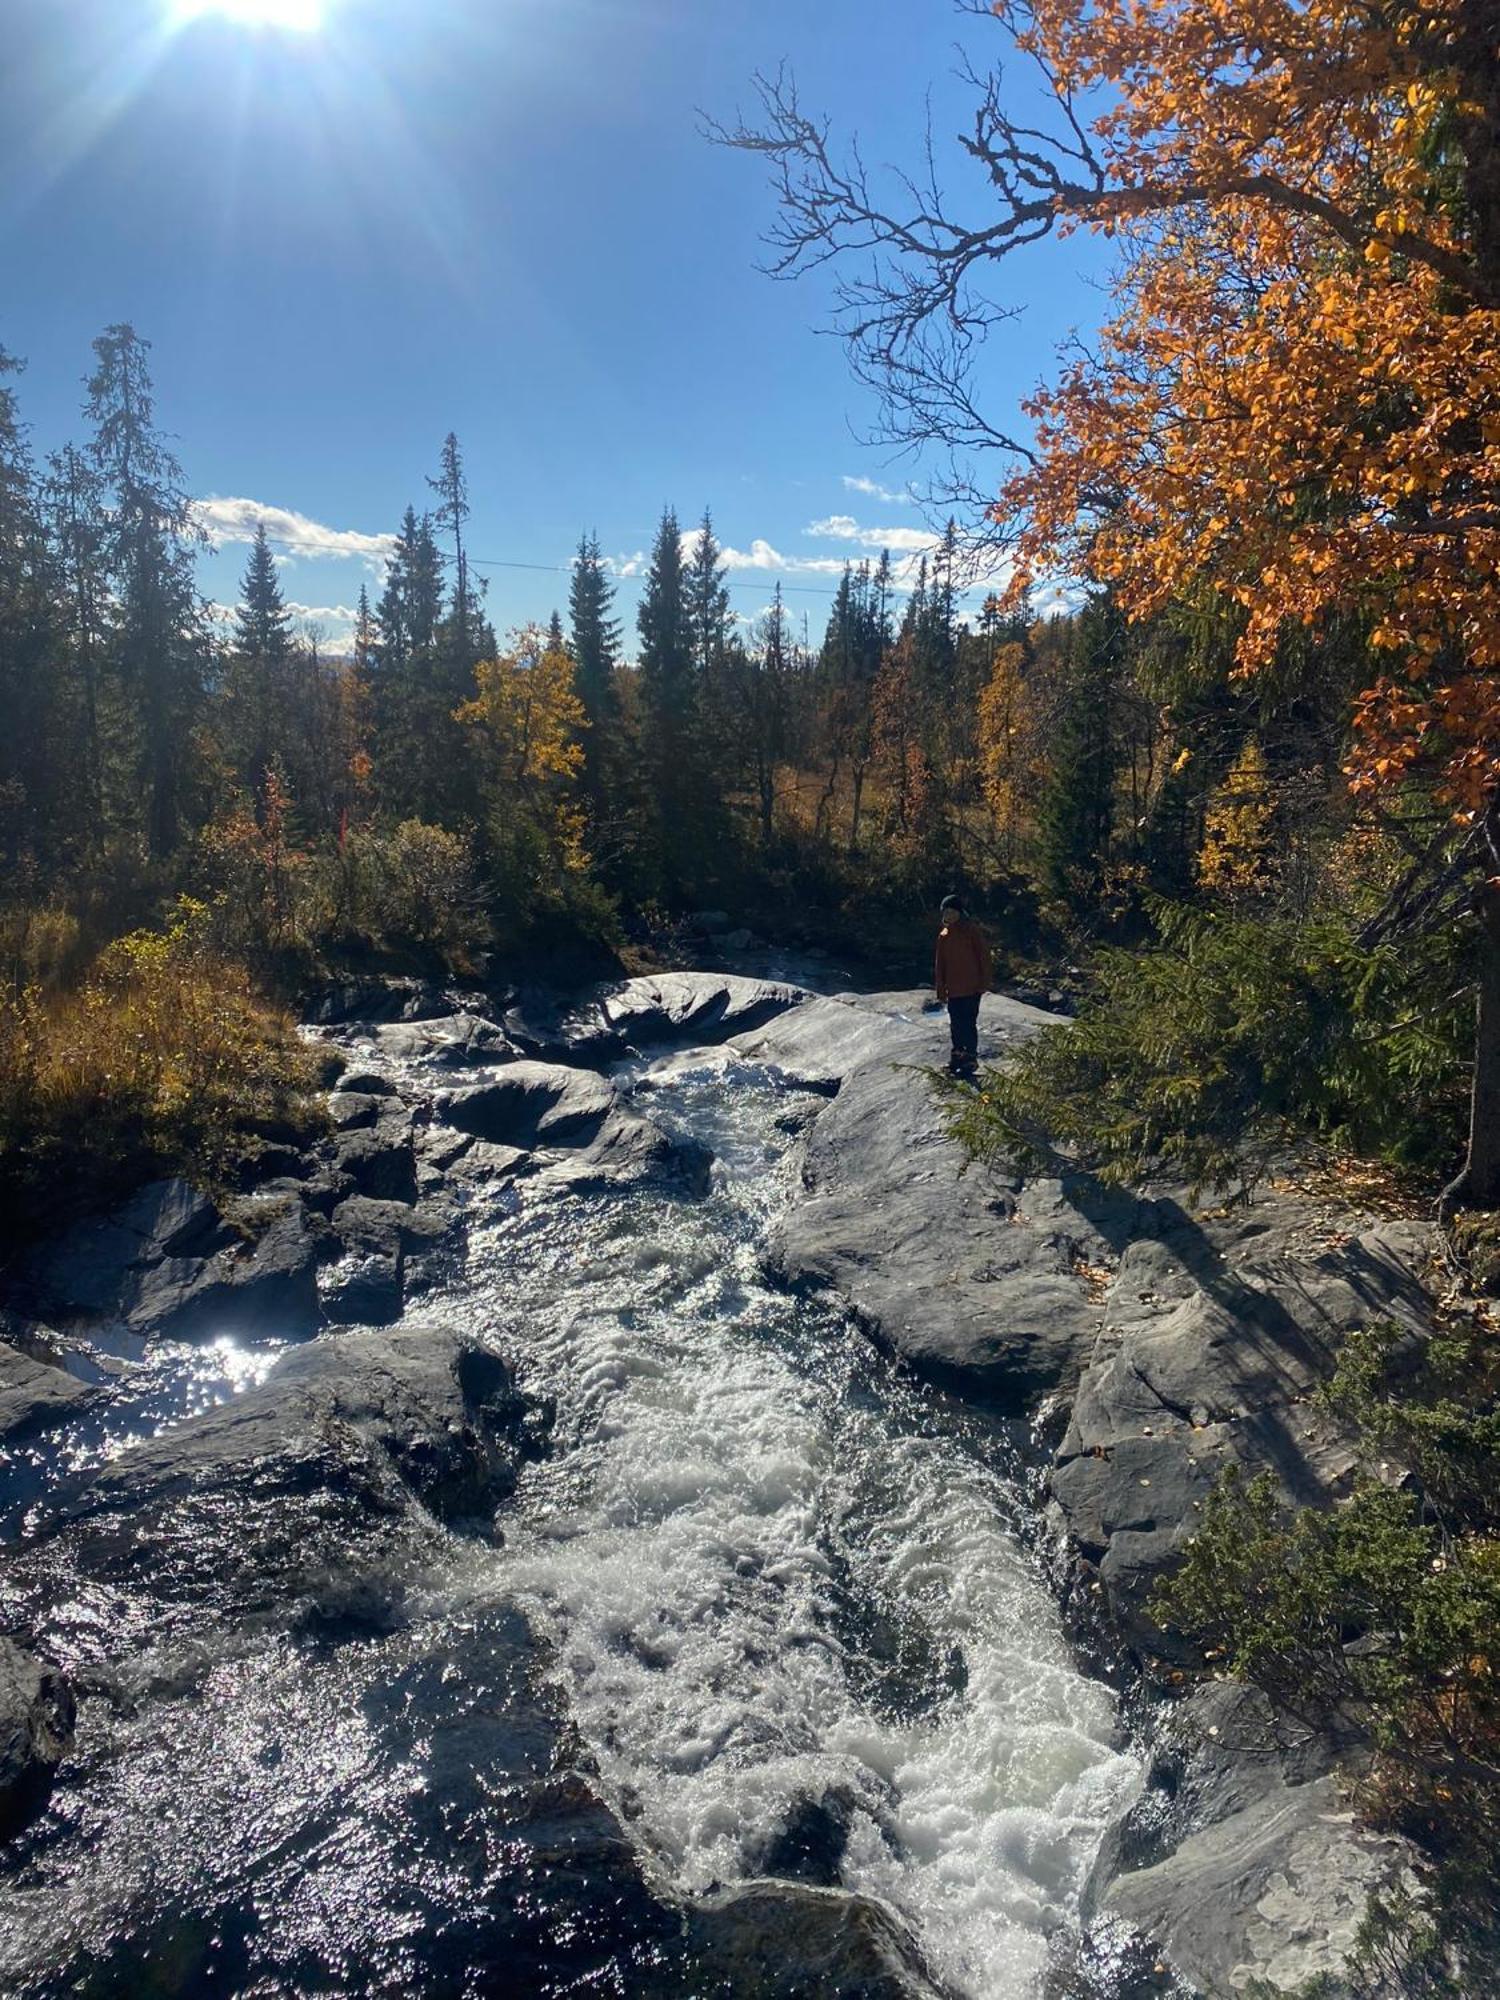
[[560, 569]]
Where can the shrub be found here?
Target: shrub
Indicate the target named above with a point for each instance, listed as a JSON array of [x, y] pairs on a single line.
[[162, 1060], [421, 886], [1208, 1052]]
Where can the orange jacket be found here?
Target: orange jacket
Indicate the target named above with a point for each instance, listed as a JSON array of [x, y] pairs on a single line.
[[963, 966]]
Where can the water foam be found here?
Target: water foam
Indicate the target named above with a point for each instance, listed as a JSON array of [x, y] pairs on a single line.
[[778, 1576]]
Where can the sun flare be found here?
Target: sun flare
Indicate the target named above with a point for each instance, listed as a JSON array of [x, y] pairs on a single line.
[[297, 16]]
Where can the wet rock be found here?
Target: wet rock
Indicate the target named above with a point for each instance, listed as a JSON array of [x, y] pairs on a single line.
[[531, 1104], [168, 1263], [35, 1394], [389, 1250], [709, 922], [809, 1847], [350, 1110], [367, 1083], [36, 1726], [698, 1007], [381, 999], [334, 1476], [787, 1943], [461, 1040], [1267, 1873], [545, 1030], [379, 1160]]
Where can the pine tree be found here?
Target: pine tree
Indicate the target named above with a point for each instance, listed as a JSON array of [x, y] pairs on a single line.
[[556, 643], [453, 491], [1077, 807], [708, 601], [157, 638], [263, 626]]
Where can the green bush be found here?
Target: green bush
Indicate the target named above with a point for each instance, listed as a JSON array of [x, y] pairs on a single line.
[[1206, 1053]]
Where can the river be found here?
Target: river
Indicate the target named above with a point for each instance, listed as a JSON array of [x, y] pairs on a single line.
[[792, 1613]]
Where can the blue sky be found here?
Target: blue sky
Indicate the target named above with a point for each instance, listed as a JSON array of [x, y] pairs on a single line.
[[491, 216]]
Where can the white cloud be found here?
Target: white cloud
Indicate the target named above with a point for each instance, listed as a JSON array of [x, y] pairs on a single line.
[[901, 541], [873, 490], [294, 534]]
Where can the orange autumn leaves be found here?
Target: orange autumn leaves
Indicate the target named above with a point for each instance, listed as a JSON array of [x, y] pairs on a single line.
[[1297, 400]]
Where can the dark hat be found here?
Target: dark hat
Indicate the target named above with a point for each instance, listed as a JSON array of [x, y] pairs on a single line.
[[952, 903]]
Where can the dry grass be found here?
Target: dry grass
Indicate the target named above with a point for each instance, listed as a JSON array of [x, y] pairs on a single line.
[[162, 1059]]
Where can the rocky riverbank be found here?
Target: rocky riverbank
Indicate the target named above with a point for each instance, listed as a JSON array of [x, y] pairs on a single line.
[[1147, 1345]]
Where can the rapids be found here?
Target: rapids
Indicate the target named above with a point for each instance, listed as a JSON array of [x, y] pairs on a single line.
[[791, 1612]]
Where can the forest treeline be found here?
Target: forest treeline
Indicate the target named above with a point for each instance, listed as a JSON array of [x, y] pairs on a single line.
[[433, 790]]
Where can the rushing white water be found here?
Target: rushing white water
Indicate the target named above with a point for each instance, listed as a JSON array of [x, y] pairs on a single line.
[[779, 1574]]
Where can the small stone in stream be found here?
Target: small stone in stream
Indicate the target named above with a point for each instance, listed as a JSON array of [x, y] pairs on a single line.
[[809, 1847], [380, 1161], [36, 1726]]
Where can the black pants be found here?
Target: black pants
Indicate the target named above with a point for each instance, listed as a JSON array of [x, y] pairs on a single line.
[[963, 1026]]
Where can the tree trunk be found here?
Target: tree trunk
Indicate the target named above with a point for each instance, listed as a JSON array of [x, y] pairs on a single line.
[[1478, 1185]]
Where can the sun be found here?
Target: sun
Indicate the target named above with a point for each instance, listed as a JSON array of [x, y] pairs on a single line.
[[298, 16]]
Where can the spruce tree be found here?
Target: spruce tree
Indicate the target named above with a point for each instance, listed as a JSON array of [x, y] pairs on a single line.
[[1077, 807], [261, 722], [157, 639], [39, 746], [263, 626], [708, 601], [452, 490]]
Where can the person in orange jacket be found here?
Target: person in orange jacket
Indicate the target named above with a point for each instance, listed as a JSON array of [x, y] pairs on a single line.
[[961, 973]]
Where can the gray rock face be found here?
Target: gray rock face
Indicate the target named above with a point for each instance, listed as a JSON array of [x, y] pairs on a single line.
[[378, 1160], [331, 1479], [1266, 1874], [975, 1280], [36, 1726], [167, 1263], [389, 1250], [1215, 1336]]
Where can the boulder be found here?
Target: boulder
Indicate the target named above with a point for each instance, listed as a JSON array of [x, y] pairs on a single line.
[[981, 1284], [332, 1478], [547, 1031], [381, 999], [784, 1941], [462, 1040], [1256, 1867], [697, 1007], [378, 1160], [36, 1726], [532, 1104], [168, 1264], [388, 1250]]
